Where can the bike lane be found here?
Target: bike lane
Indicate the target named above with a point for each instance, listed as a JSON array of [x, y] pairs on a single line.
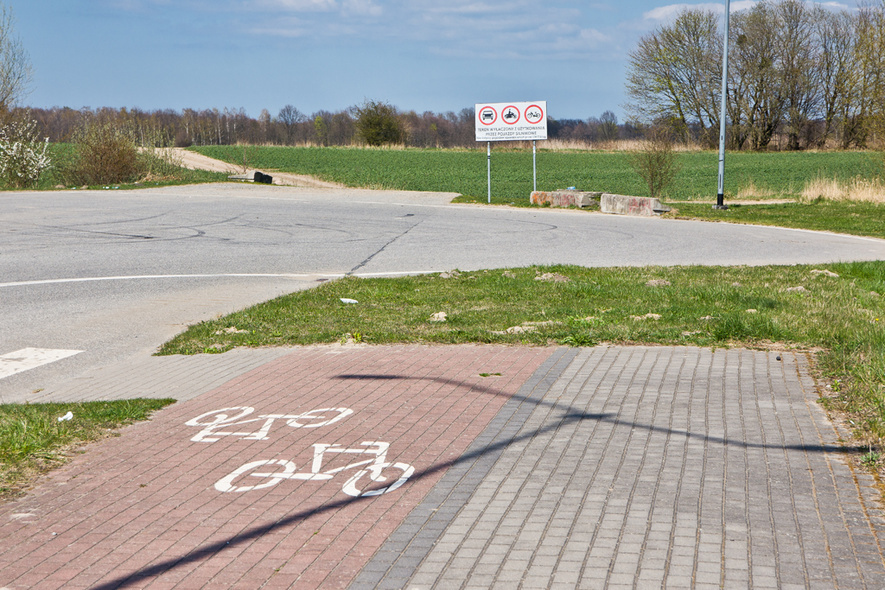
[[173, 502]]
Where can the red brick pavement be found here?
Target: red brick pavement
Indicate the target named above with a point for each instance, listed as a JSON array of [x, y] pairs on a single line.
[[143, 510]]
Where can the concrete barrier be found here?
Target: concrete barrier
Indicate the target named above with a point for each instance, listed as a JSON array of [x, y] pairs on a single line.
[[567, 198], [605, 202], [627, 205]]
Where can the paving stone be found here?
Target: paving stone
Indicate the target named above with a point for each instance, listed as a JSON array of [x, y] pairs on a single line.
[[596, 467], [693, 413]]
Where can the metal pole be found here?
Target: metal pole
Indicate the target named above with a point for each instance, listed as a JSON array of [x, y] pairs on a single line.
[[720, 195], [534, 166], [489, 152]]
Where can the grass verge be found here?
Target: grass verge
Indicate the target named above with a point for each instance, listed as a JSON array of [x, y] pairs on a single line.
[[33, 440], [837, 310], [856, 218]]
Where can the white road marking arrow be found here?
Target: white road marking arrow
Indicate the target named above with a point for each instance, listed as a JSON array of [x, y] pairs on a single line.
[[29, 358]]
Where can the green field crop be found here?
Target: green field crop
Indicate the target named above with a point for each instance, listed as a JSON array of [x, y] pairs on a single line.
[[781, 174]]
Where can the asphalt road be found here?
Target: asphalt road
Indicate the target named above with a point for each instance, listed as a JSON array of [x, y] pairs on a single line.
[[115, 273]]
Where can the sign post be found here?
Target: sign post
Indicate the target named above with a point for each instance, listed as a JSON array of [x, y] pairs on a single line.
[[489, 151], [720, 195], [511, 121], [534, 166]]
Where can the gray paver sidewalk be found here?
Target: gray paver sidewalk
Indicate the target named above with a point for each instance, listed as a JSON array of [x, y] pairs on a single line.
[[648, 468]]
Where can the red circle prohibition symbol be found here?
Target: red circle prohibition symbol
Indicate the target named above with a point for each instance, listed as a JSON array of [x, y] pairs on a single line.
[[540, 118], [487, 116], [511, 112]]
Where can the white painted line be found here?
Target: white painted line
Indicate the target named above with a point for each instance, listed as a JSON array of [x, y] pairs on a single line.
[[305, 276], [29, 358], [154, 277]]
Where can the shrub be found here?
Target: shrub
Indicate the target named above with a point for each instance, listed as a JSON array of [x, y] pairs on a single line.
[[656, 161], [106, 154], [22, 155], [377, 123]]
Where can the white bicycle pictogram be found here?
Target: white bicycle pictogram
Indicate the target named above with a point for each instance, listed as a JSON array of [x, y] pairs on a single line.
[[239, 480], [213, 422]]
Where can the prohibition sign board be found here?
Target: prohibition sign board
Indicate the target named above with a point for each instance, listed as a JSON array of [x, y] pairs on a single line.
[[511, 121]]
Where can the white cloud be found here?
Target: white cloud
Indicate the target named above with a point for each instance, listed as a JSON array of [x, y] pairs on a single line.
[[361, 8], [485, 30], [671, 11], [461, 7], [296, 5], [836, 6], [288, 27]]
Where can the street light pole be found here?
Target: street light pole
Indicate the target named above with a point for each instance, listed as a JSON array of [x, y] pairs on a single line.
[[720, 196]]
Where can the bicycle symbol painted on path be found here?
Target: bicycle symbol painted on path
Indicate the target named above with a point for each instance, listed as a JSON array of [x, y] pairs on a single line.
[[221, 419], [239, 481], [267, 473]]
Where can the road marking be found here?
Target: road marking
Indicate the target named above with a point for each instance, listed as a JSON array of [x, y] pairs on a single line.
[[223, 418], [29, 358], [305, 276]]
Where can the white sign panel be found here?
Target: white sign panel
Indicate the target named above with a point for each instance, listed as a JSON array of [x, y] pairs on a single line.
[[511, 121]]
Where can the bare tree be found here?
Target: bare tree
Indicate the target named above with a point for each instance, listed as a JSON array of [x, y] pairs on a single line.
[[755, 64], [290, 117], [835, 35], [870, 62], [15, 66], [608, 126], [673, 73], [798, 57]]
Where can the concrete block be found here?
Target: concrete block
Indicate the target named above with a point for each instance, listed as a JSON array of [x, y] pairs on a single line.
[[627, 205], [567, 198]]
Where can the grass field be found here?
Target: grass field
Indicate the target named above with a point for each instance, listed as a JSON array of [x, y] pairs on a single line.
[[782, 174]]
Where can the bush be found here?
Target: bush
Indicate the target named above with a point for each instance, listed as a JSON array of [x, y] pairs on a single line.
[[106, 154], [22, 155], [656, 161], [378, 124]]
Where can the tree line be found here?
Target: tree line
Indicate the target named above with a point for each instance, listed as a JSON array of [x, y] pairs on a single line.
[[799, 76], [371, 123]]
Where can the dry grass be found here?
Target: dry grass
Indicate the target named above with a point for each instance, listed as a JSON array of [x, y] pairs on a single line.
[[621, 145], [751, 191], [857, 189]]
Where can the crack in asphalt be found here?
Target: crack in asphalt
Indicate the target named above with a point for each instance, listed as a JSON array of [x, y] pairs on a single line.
[[381, 249]]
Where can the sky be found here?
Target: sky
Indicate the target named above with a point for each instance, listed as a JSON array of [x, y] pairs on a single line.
[[421, 55]]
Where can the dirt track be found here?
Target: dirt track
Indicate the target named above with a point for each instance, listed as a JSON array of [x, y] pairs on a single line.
[[196, 161]]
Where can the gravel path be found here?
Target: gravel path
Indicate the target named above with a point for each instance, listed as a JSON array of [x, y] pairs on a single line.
[[196, 161]]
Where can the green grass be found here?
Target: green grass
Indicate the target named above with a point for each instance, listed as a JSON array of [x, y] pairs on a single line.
[[858, 218], [464, 171], [33, 440], [703, 306]]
